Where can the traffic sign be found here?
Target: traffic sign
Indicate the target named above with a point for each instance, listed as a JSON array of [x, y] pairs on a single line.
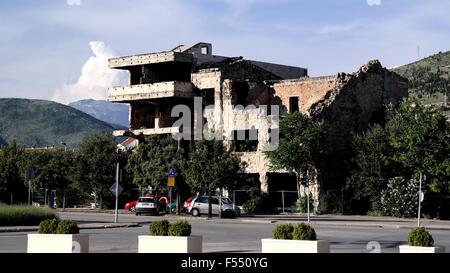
[[171, 182], [30, 174], [172, 172], [113, 189]]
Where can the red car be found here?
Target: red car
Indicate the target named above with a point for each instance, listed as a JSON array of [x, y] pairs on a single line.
[[131, 206], [188, 202]]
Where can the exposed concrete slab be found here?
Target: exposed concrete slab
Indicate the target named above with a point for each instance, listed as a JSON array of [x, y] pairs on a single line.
[[136, 60], [150, 91]]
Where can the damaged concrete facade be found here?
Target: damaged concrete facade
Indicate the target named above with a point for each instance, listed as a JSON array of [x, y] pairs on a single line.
[[346, 103]]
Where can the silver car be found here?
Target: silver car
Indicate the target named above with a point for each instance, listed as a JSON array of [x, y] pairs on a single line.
[[199, 205]]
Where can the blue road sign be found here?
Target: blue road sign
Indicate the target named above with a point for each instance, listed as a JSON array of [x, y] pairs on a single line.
[[172, 172]]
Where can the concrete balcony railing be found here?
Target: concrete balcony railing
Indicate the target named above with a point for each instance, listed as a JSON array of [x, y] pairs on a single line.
[[150, 91]]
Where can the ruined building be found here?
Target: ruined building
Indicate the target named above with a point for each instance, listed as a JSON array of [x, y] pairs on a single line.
[[346, 103]]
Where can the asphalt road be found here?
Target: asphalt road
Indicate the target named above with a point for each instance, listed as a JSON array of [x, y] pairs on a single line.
[[227, 235]]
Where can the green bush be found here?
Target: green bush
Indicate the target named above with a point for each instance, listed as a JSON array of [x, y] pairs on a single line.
[[301, 205], [399, 199], [303, 231], [159, 228], [420, 237], [283, 231], [48, 226], [180, 228], [331, 202], [24, 216], [67, 227], [259, 203]]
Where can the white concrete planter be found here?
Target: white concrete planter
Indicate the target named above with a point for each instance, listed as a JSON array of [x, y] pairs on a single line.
[[58, 243], [294, 246], [170, 244], [421, 249]]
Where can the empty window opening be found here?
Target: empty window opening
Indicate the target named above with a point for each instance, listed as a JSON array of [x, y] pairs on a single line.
[[241, 90], [293, 104], [208, 96], [205, 50]]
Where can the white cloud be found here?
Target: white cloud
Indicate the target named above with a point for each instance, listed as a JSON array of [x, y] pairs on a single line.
[[374, 2], [73, 2], [336, 28], [95, 79]]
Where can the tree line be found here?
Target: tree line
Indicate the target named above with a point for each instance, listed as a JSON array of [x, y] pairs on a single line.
[[86, 174]]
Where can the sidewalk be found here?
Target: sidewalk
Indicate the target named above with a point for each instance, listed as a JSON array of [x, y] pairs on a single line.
[[80, 226], [352, 220]]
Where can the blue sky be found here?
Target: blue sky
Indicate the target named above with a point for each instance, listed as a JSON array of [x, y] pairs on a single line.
[[56, 49]]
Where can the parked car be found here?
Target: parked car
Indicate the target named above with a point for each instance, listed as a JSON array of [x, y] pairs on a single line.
[[199, 205], [131, 206], [187, 203], [151, 204]]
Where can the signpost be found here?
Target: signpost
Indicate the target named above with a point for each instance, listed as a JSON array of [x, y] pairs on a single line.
[[421, 196], [30, 174], [171, 183], [116, 189]]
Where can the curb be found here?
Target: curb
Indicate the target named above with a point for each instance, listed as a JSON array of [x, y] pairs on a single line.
[[81, 226]]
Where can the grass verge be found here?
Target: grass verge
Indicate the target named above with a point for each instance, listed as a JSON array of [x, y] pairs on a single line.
[[24, 216]]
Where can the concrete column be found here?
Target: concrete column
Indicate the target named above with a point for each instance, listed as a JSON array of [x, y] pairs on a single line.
[[157, 117], [263, 179]]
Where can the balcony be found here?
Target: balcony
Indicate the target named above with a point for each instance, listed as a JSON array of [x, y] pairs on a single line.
[[150, 91], [147, 132]]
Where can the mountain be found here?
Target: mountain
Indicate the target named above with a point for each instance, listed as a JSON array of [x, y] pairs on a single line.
[[40, 123], [112, 113], [437, 61], [441, 60]]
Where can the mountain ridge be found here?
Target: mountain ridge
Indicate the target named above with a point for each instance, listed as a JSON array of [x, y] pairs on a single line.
[[39, 123]]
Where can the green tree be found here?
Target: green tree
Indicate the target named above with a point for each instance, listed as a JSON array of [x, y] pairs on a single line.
[[419, 137], [301, 144], [211, 165], [414, 140], [149, 163], [426, 81], [11, 180], [369, 167], [95, 164], [53, 168]]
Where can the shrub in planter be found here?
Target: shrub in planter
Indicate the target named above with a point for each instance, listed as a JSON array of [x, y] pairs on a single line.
[[420, 237], [48, 226], [170, 238], [283, 232], [67, 227], [303, 231], [159, 228], [54, 237], [289, 239], [180, 228]]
